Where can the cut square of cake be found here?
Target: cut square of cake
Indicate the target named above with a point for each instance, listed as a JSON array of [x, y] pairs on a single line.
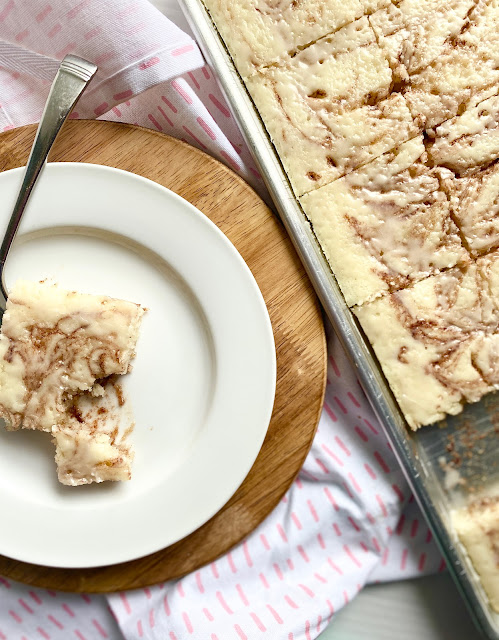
[[385, 225], [328, 110], [445, 88], [56, 345], [475, 208], [469, 141], [478, 529], [481, 31], [467, 69], [443, 341], [415, 32], [259, 33]]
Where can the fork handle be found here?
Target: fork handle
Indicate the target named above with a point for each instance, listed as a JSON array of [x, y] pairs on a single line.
[[69, 83]]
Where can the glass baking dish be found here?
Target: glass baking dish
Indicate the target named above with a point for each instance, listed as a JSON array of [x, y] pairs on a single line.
[[426, 455]]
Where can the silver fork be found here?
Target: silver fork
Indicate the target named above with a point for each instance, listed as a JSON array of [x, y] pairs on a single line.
[[71, 79]]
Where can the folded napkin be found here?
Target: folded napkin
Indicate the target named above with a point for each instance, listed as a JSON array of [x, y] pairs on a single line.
[[349, 518]]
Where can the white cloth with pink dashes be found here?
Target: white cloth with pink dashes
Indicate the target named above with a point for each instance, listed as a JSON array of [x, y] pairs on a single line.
[[349, 518]]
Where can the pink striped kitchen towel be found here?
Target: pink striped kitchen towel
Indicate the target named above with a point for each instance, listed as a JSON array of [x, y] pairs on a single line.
[[349, 518]]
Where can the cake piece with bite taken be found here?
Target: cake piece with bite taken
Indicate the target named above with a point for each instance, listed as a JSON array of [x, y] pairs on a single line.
[[92, 443], [58, 345]]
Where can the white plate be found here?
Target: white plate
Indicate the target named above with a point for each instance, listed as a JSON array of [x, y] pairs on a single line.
[[203, 382]]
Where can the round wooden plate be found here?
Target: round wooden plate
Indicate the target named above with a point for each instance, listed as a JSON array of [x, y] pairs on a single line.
[[296, 320]]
